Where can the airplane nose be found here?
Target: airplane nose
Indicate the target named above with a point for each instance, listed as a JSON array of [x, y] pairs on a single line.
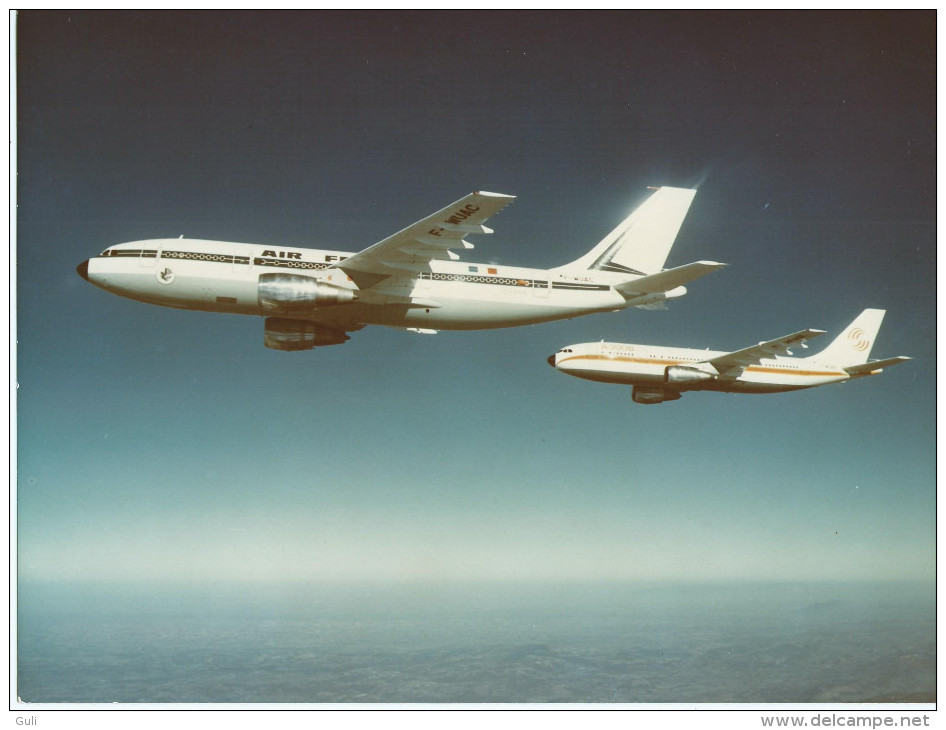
[[551, 360], [83, 269]]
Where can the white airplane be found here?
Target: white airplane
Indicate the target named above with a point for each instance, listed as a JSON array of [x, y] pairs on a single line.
[[411, 280], [660, 374]]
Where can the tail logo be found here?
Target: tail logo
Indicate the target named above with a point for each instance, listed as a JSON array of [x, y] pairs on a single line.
[[859, 340]]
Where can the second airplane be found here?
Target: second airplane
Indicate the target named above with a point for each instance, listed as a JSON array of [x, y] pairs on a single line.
[[661, 374]]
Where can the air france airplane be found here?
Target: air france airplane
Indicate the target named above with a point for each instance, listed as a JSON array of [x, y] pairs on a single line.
[[412, 280], [660, 374]]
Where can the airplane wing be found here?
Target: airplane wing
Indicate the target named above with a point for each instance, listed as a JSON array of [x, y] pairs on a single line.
[[667, 280], [869, 368], [410, 251], [732, 364]]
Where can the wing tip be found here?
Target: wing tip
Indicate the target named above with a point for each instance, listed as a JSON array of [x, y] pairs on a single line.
[[487, 194]]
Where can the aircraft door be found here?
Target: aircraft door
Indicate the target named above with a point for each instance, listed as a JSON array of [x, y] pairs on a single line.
[[421, 284], [241, 264], [149, 256], [541, 288]]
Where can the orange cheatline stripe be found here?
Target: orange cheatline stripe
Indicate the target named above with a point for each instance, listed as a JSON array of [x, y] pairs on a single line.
[[790, 371], [752, 368]]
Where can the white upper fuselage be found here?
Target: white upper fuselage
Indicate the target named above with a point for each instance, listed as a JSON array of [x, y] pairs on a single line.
[[224, 277], [646, 365]]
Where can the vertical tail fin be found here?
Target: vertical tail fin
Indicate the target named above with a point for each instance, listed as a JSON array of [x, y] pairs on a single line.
[[853, 345], [641, 244]]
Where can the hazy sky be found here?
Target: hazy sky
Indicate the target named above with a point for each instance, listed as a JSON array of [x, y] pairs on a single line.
[[161, 445]]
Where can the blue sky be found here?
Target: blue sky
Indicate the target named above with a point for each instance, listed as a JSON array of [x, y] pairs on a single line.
[[155, 444]]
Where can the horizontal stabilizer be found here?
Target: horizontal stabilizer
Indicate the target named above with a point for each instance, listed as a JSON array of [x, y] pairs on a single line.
[[872, 367], [666, 280]]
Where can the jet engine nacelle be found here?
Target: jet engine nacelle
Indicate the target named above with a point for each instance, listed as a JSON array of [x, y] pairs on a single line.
[[281, 293], [647, 396], [686, 377], [292, 335]]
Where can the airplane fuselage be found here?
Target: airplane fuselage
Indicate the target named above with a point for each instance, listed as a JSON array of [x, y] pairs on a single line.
[[452, 295], [646, 365]]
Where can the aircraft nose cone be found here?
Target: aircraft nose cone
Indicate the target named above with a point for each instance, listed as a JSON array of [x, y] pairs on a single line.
[[551, 360], [83, 269]]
